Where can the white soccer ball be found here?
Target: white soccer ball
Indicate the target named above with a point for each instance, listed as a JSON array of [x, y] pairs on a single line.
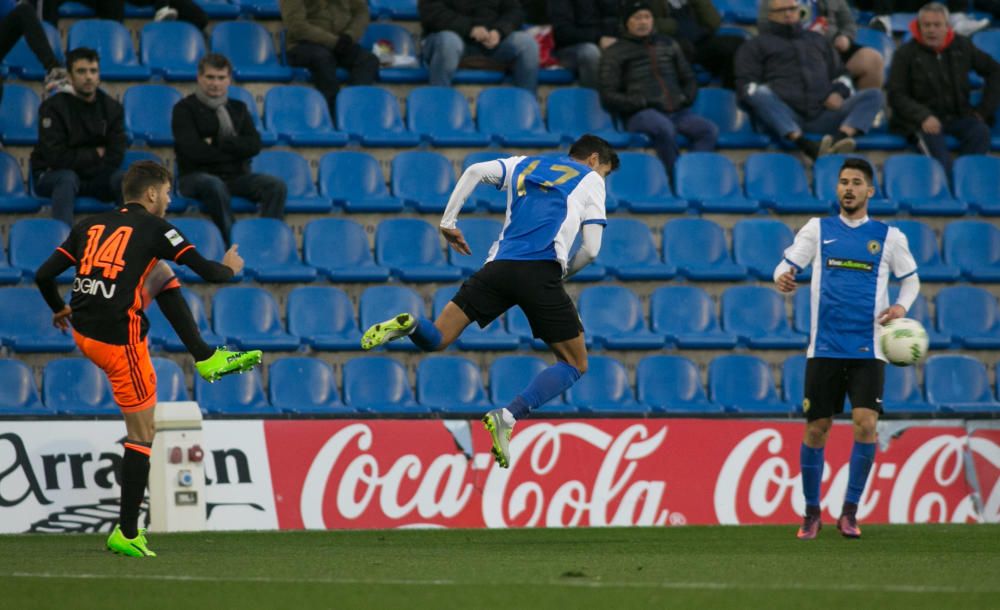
[[904, 341]]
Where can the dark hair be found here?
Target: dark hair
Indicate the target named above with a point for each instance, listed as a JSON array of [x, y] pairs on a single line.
[[81, 54], [217, 61], [862, 166], [589, 144], [142, 175]]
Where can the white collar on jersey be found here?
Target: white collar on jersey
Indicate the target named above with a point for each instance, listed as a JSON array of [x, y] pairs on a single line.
[[854, 224]]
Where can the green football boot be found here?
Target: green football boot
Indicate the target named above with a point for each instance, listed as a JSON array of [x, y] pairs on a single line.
[[131, 547], [387, 331], [224, 362], [500, 432]]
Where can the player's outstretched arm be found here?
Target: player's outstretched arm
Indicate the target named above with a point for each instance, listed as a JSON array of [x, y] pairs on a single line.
[[211, 271], [45, 279], [488, 171]]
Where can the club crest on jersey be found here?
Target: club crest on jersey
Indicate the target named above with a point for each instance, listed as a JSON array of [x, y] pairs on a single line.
[[874, 246], [805, 405]]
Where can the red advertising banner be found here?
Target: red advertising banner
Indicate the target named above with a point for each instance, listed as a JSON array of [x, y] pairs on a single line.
[[383, 473]]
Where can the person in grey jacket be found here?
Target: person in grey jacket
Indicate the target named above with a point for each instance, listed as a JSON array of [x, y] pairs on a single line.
[[833, 19]]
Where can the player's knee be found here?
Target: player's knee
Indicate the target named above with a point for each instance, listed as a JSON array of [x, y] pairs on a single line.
[[580, 364]]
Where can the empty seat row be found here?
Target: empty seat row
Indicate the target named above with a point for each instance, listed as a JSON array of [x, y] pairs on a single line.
[[614, 318], [453, 386]]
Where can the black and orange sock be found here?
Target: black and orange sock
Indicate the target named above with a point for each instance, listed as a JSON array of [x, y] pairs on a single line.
[[135, 474]]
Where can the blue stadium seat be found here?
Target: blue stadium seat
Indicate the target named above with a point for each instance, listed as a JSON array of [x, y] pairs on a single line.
[[493, 337], [233, 395], [206, 237], [613, 316], [8, 274], [170, 382], [605, 389], [259, 9], [249, 318], [411, 248], [710, 182], [371, 116], [20, 394], [148, 112], [778, 181], [22, 61], [378, 385], [697, 247], [970, 315], [423, 180], [672, 384], [32, 242], [641, 185], [988, 41], [401, 42], [219, 9], [451, 385], [300, 116], [268, 247], [75, 386], [574, 111], [902, 394], [735, 128], [757, 315], [251, 50], [510, 375], [486, 196], [380, 303], [627, 251], [324, 317], [920, 186], [303, 385], [480, 233], [759, 245], [826, 172], [161, 334], [267, 137], [13, 196], [113, 44], [958, 384], [440, 115], [396, 10], [793, 380], [971, 245], [744, 384], [171, 49], [339, 249], [354, 181], [19, 115], [739, 11], [294, 171], [976, 184], [924, 247], [512, 118], [685, 316]]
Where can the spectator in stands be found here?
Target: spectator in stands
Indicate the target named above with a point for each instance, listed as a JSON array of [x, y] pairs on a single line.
[[694, 24], [324, 35], [582, 30], [166, 10], [18, 20], [646, 80], [793, 82], [834, 20], [81, 140], [215, 139], [929, 88], [960, 21], [478, 33]]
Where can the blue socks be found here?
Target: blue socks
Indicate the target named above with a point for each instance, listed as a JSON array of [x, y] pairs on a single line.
[[811, 461], [862, 456], [548, 384], [425, 335]]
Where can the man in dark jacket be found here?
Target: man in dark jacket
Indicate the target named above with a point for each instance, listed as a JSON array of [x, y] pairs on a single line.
[[81, 140], [582, 30], [693, 24], [646, 80], [324, 34], [793, 81], [929, 88], [215, 139], [483, 29]]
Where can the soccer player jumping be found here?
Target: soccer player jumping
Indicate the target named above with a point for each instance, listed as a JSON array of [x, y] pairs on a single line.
[[851, 257], [118, 269], [549, 200]]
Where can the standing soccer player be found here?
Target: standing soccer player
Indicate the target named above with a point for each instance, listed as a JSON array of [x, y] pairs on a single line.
[[549, 200], [852, 256], [117, 258]]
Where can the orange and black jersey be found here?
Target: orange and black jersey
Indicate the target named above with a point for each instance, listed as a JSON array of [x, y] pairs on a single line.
[[113, 253]]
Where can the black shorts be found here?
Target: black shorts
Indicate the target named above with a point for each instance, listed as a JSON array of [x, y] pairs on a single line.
[[851, 50], [536, 286], [830, 380]]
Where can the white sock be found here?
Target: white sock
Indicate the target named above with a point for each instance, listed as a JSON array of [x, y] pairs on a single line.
[[508, 417]]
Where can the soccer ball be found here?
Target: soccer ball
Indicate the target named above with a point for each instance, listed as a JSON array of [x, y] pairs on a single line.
[[904, 341]]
